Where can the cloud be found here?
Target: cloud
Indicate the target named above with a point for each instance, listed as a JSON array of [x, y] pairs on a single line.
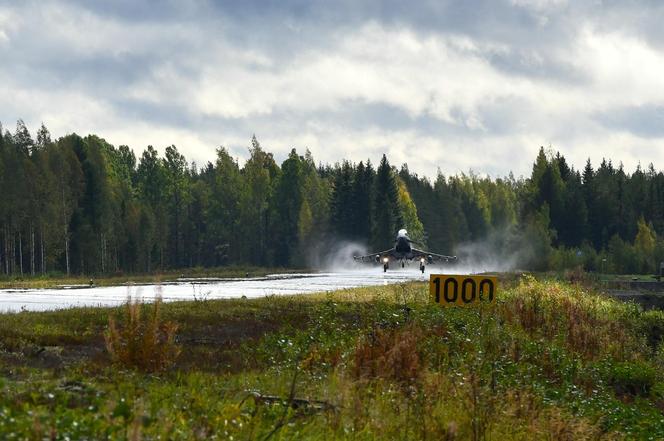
[[451, 85], [645, 121]]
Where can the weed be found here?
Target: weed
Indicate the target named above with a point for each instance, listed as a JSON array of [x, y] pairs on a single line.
[[143, 341], [200, 295]]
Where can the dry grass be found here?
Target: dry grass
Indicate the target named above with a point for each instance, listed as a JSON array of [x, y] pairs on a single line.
[[143, 341], [390, 354], [586, 322]]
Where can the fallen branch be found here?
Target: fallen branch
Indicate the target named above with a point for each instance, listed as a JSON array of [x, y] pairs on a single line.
[[302, 404]]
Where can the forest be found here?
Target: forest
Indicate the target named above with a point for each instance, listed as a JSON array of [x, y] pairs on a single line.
[[79, 205]]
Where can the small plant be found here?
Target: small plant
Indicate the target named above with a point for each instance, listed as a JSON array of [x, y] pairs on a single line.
[[200, 295], [143, 341]]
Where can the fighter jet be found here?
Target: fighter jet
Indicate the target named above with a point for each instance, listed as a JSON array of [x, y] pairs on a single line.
[[402, 252]]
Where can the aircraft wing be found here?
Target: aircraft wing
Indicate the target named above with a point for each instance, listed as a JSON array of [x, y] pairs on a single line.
[[372, 257], [434, 257]]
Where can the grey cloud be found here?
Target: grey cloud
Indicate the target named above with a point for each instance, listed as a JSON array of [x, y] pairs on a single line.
[[646, 121], [520, 41], [537, 64], [144, 10]]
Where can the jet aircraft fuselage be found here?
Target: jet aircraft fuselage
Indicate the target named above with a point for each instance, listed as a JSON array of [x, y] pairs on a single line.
[[402, 246], [403, 252]]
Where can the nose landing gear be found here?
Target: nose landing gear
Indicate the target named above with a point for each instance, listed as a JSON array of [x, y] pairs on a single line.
[[385, 267]]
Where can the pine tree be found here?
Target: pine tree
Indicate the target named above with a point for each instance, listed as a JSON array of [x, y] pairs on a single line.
[[288, 202], [386, 216]]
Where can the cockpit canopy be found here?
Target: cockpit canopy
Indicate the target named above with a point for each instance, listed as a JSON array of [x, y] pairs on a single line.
[[402, 233]]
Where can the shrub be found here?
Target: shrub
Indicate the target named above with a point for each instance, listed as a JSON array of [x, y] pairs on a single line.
[[143, 341], [633, 378]]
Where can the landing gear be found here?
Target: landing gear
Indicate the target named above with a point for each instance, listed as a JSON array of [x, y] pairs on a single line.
[[385, 267], [422, 267], [403, 264]]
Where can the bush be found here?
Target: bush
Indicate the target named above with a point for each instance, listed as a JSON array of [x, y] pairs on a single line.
[[633, 378], [143, 342]]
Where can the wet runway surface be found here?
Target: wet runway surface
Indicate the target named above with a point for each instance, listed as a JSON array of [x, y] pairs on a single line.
[[203, 288]]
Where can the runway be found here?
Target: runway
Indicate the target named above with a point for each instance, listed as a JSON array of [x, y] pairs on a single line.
[[15, 300]]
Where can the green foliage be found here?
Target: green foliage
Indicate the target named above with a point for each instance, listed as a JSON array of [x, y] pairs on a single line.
[[288, 203], [409, 213], [386, 215], [537, 239], [633, 378], [259, 174], [224, 207], [81, 205], [657, 394], [644, 245]]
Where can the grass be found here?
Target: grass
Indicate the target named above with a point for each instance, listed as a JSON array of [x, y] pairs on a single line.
[[53, 280], [550, 360]]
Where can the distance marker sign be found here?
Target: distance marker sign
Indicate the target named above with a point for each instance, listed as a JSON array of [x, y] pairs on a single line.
[[454, 290]]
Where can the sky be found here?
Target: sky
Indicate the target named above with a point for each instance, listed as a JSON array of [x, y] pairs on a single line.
[[455, 86]]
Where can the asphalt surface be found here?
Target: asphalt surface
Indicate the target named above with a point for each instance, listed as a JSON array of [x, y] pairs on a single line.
[[15, 300]]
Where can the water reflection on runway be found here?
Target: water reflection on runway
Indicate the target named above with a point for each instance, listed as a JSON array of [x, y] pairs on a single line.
[[202, 288]]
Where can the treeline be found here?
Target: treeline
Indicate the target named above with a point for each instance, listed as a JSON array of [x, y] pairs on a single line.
[[81, 205]]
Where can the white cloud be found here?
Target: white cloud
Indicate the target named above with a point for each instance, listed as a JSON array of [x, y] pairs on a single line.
[[6, 20], [433, 75], [445, 100]]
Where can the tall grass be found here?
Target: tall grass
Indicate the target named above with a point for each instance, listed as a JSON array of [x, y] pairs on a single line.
[[587, 323]]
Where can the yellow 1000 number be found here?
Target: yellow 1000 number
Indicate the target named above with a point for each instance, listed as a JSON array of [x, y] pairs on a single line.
[[454, 290]]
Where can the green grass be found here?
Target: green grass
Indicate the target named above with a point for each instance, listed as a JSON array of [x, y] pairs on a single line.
[[52, 280], [549, 360]]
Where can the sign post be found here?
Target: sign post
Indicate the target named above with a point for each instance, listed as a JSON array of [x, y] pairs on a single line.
[[458, 290]]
